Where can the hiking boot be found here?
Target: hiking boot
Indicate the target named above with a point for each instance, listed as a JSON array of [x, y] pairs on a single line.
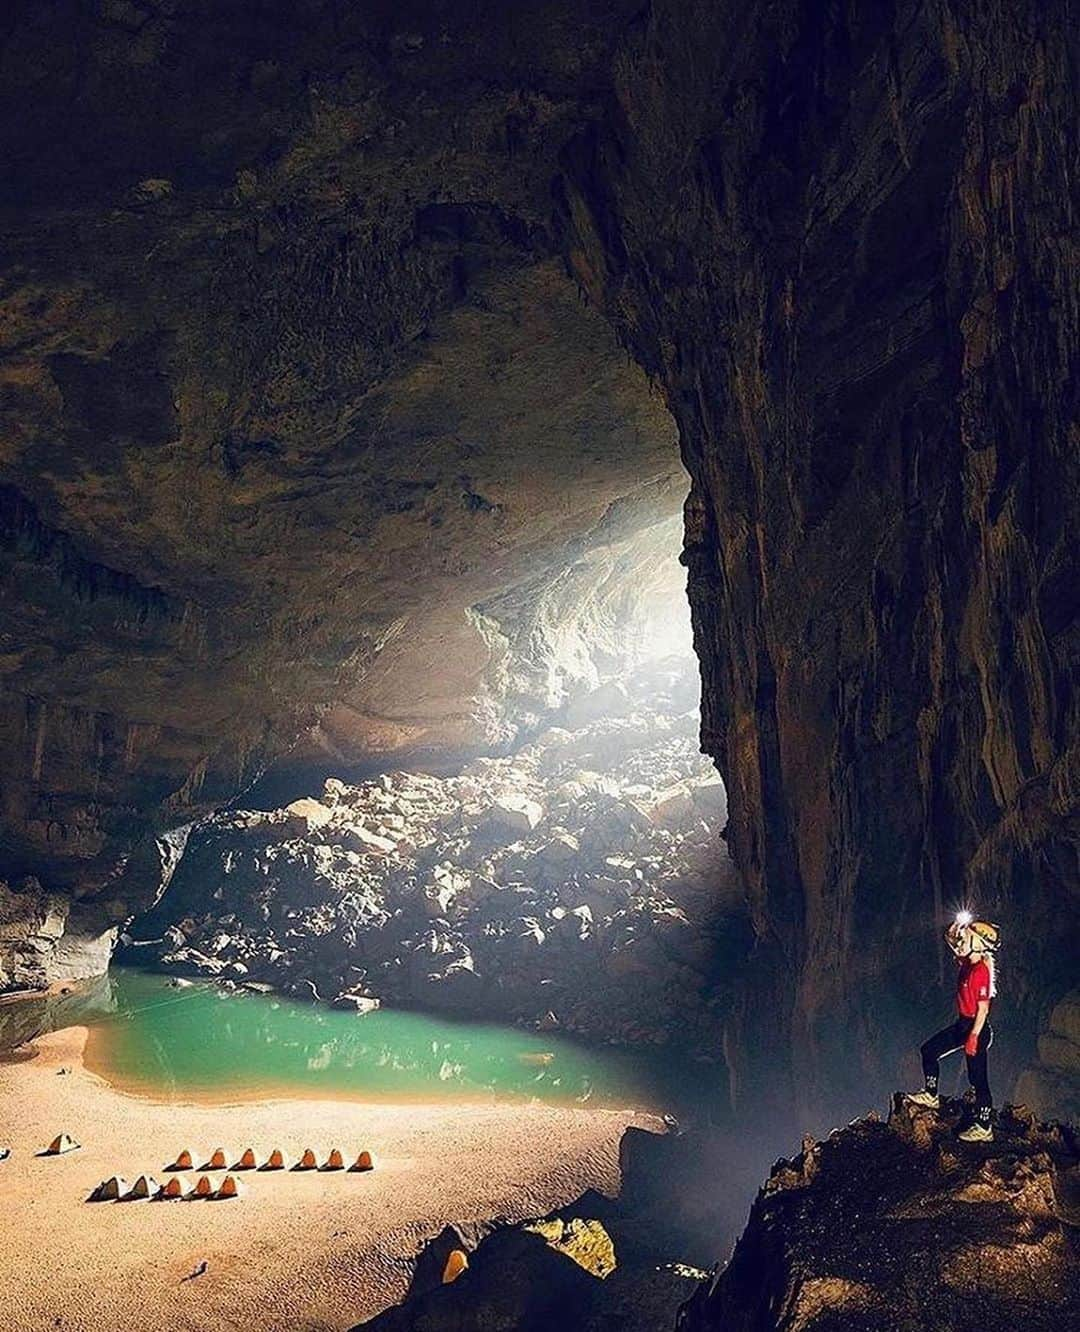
[[977, 1133], [927, 1099]]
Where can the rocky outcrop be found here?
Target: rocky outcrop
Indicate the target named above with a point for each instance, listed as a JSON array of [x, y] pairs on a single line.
[[47, 938], [882, 1224], [531, 1279], [597, 1264], [898, 1225], [577, 884]]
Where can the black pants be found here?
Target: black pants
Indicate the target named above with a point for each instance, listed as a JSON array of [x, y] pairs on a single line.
[[952, 1038]]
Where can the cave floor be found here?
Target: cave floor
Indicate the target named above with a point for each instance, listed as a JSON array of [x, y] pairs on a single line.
[[298, 1251]]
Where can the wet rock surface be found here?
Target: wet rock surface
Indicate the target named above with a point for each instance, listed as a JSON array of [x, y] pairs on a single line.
[[579, 884]]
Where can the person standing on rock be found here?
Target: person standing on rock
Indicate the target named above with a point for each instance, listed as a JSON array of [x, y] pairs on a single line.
[[973, 943]]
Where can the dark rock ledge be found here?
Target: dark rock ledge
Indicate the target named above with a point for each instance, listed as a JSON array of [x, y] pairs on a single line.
[[882, 1225]]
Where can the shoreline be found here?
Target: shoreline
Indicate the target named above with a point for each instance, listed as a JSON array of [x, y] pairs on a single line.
[[305, 1251]]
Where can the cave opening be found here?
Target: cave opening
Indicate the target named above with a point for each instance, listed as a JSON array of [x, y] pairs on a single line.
[[571, 877]]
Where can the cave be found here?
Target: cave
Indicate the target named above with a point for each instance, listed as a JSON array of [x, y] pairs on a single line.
[[537, 558]]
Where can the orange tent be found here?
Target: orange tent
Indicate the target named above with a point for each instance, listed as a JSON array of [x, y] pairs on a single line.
[[229, 1188], [457, 1260]]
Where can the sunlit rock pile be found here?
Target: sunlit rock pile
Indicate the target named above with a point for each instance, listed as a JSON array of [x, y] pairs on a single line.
[[597, 1265], [584, 1269], [579, 883]]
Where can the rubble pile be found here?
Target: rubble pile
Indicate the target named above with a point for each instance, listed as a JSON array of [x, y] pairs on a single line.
[[580, 883]]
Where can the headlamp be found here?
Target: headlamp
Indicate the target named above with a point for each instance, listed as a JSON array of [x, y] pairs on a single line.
[[964, 918]]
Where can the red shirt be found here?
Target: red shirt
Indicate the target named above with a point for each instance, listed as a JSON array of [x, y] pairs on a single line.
[[972, 987]]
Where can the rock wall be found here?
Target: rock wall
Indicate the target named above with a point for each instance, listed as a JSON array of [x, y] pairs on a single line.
[[843, 239], [1051, 1085], [49, 937]]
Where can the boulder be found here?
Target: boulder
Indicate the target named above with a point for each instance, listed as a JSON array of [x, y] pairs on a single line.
[[594, 783], [710, 798], [356, 1003], [582, 1239], [305, 816], [516, 815], [560, 852], [361, 839], [447, 884], [671, 807], [607, 700], [1052, 1085], [515, 1280]]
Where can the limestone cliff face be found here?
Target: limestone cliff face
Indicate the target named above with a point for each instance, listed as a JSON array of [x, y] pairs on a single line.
[[844, 241], [295, 375]]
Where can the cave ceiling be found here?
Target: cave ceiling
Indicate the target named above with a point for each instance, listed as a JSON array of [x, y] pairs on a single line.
[[294, 380]]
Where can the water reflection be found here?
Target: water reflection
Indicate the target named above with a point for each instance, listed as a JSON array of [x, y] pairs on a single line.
[[199, 1040], [152, 1037], [23, 1020]]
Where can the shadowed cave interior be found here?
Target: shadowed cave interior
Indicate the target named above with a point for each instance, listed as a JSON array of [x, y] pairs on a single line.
[[558, 519]]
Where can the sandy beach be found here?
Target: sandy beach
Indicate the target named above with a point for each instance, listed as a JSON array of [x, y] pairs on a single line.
[[299, 1251]]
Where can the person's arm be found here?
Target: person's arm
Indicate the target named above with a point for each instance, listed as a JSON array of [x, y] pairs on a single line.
[[982, 1011]]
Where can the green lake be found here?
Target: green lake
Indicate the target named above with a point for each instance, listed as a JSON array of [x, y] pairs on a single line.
[[199, 1042]]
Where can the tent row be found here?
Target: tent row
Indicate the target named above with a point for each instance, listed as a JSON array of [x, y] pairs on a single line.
[[247, 1160], [117, 1189]]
